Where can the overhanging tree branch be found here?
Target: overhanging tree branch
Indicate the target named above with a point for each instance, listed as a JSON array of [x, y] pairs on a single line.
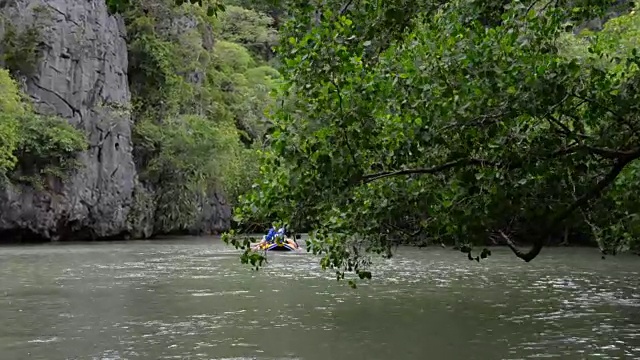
[[603, 152], [613, 154], [430, 170], [621, 157], [461, 163], [582, 201]]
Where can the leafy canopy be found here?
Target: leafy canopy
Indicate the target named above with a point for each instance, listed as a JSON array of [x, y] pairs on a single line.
[[465, 122]]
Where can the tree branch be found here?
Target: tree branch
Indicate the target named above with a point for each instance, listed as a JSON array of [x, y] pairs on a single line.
[[344, 132], [482, 120], [345, 7], [613, 154], [464, 162], [564, 129], [603, 152], [431, 170], [580, 202], [597, 104]]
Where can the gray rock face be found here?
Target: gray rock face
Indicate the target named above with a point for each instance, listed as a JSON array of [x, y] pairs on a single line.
[[82, 77], [215, 215]]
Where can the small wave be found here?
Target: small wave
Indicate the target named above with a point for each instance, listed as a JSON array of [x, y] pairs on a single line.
[[44, 341], [220, 293]]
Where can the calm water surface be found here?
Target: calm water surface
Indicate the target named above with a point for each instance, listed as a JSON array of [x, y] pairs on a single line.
[[192, 299]]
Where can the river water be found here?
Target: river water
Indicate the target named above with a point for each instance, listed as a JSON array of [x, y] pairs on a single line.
[[192, 299]]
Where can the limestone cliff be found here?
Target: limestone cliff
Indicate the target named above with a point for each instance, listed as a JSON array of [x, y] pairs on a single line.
[[82, 76]]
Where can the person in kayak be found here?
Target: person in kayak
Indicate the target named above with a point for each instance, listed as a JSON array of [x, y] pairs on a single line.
[[271, 235]]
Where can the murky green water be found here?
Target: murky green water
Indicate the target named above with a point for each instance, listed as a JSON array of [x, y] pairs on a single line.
[[191, 299]]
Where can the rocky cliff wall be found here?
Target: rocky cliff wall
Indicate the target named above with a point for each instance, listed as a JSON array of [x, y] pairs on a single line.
[[82, 76]]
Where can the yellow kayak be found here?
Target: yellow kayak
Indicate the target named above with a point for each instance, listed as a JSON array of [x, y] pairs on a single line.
[[286, 244]]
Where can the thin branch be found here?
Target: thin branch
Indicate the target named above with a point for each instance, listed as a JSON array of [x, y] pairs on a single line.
[[533, 3], [603, 152], [564, 129], [345, 7], [595, 102], [619, 117], [430, 170], [344, 132], [477, 121], [404, 231], [464, 162], [613, 154]]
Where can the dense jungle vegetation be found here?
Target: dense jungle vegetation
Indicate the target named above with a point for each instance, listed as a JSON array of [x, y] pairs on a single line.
[[200, 86]]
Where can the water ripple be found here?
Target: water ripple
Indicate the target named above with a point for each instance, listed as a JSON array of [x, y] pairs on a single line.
[[176, 300]]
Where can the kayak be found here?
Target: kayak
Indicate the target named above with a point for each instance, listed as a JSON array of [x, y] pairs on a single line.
[[288, 244]]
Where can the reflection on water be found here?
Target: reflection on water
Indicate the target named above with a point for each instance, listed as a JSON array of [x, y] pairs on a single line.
[[192, 299]]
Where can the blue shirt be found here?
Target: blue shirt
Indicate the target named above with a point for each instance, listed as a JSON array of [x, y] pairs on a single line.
[[271, 234]]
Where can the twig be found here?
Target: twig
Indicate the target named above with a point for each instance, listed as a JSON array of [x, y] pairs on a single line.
[[345, 7], [431, 170]]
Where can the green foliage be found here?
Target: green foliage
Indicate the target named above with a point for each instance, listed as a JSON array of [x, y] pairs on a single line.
[[19, 50], [250, 28], [272, 7], [615, 224], [141, 212], [232, 58], [245, 88], [212, 7], [194, 101], [244, 26], [154, 73], [191, 152], [11, 109], [33, 146], [462, 123], [48, 147]]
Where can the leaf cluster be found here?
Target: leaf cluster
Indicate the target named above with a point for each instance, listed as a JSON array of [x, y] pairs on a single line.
[[33, 146]]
